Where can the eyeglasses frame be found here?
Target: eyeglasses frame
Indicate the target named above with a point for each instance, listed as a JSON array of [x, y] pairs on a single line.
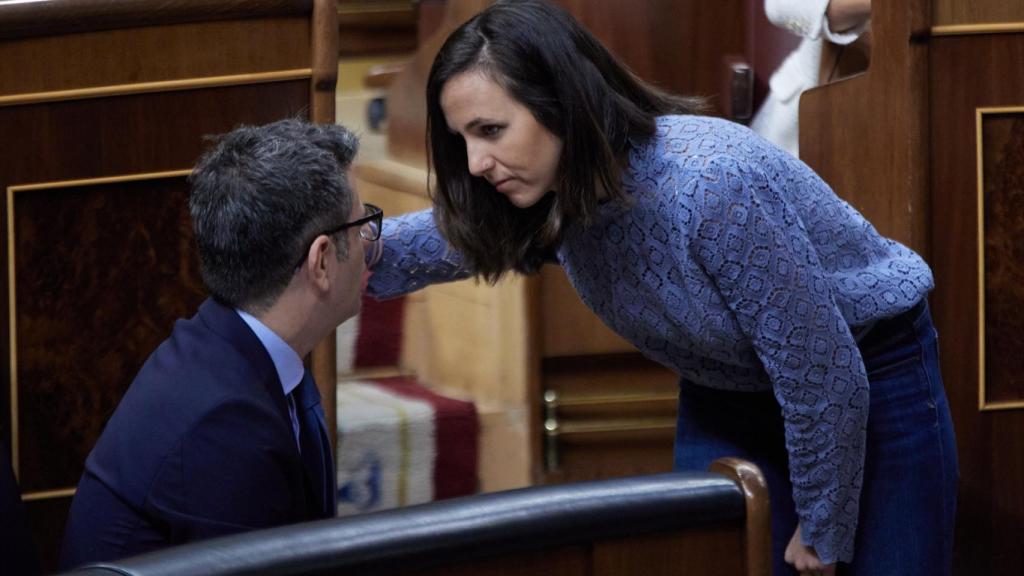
[[376, 214]]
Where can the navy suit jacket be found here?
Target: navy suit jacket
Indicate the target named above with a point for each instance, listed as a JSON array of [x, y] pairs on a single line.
[[201, 445]]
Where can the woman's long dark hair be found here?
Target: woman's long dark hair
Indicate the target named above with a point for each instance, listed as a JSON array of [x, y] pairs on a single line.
[[576, 89]]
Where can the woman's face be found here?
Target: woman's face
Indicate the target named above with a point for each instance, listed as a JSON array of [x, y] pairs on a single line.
[[505, 144]]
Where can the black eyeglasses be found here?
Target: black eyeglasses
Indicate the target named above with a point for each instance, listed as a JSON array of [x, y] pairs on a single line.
[[370, 224], [369, 230]]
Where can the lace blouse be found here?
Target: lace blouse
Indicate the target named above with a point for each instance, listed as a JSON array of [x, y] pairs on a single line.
[[736, 266]]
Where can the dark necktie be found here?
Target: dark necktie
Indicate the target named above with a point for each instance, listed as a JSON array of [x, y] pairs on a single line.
[[315, 445]]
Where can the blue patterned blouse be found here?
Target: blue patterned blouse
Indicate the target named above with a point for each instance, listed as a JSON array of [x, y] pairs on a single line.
[[737, 267]]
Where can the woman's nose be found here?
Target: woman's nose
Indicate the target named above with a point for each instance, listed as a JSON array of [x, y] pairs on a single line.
[[480, 160]]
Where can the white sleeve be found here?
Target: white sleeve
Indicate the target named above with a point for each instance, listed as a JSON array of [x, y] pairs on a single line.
[[809, 19]]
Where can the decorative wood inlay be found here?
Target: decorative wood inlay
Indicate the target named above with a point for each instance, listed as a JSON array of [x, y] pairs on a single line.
[[1000, 149], [98, 269], [163, 86]]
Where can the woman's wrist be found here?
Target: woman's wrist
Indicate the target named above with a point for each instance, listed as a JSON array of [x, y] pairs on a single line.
[[847, 14]]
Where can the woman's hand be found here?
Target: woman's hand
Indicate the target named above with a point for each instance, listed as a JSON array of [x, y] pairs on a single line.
[[805, 559], [846, 14]]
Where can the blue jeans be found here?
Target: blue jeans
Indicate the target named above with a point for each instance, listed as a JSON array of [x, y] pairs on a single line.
[[908, 500]]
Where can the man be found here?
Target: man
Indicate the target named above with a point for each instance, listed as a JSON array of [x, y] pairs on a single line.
[[222, 430]]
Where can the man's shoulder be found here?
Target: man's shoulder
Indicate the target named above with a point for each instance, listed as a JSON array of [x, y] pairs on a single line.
[[190, 373]]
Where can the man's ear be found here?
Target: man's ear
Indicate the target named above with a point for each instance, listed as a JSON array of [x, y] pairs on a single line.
[[315, 266]]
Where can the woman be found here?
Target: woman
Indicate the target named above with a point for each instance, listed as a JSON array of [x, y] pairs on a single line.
[[801, 336]]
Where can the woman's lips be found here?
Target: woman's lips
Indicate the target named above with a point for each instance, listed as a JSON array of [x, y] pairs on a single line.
[[503, 185]]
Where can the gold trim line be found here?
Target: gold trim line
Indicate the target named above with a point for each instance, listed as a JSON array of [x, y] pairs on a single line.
[[972, 29], [48, 494], [979, 164], [159, 86], [96, 181], [13, 335]]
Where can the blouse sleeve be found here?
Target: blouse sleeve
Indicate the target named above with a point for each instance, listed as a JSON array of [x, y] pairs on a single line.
[[414, 255], [752, 245]]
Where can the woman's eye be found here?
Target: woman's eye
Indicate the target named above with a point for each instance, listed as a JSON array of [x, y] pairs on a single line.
[[490, 130]]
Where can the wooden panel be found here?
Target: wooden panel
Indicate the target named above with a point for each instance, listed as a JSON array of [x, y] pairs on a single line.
[[368, 27], [573, 329], [101, 271], [59, 17], [1001, 155], [46, 520], [710, 552], [567, 561], [677, 44], [971, 72], [77, 350], [950, 12], [615, 414], [865, 135], [139, 55]]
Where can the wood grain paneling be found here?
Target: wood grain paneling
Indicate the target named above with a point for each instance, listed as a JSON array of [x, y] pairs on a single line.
[[1001, 187], [46, 520], [577, 330], [676, 44], [139, 55], [951, 12], [100, 90], [57, 17], [615, 416], [971, 72], [100, 272], [77, 351], [866, 136], [714, 552], [367, 28], [567, 561]]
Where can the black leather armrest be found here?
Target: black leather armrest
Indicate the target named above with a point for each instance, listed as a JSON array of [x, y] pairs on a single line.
[[437, 533]]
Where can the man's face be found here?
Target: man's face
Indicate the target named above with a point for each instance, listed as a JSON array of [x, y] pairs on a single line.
[[350, 271]]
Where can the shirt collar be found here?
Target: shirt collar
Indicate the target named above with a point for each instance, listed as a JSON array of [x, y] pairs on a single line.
[[286, 360]]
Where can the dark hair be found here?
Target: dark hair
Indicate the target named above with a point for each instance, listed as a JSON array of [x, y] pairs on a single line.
[[577, 90], [259, 197]]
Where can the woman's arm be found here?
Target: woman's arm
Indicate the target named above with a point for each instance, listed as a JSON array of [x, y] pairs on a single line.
[[413, 255], [753, 246]]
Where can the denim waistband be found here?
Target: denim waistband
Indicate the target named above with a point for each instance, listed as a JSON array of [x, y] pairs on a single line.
[[890, 332]]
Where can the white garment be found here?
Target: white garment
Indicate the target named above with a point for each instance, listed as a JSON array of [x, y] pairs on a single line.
[[778, 118]]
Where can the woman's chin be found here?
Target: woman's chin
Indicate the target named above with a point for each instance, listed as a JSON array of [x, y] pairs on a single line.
[[524, 200]]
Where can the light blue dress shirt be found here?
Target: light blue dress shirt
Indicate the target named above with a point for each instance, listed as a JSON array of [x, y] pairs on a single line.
[[286, 362]]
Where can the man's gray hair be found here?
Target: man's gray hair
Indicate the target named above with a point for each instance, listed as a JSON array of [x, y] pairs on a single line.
[[259, 197]]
